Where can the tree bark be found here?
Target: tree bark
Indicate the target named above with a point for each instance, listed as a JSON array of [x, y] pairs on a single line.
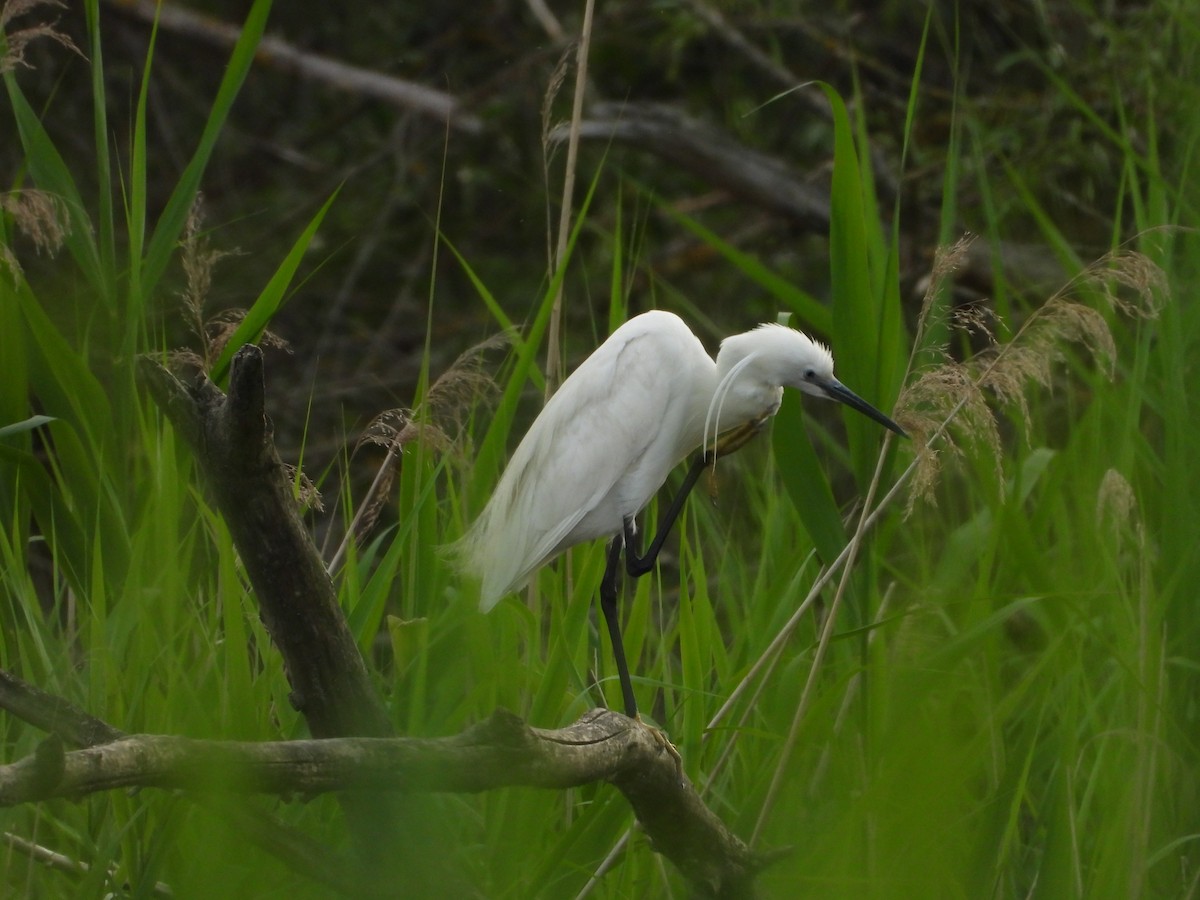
[[231, 439], [279, 54], [500, 752]]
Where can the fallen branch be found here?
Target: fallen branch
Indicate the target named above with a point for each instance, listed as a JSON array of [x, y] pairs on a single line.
[[73, 726], [500, 752], [54, 714], [286, 57], [711, 155], [231, 439]]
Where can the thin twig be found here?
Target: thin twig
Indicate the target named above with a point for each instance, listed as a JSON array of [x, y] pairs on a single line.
[[812, 98], [605, 866], [848, 699], [554, 363], [368, 501], [547, 20], [62, 863], [822, 647]]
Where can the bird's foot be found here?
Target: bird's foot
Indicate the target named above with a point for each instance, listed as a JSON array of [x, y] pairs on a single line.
[[661, 738]]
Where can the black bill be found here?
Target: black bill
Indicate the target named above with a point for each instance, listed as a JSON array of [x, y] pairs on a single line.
[[835, 390]]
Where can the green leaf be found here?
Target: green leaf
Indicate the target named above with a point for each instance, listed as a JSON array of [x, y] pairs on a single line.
[[104, 196], [250, 329], [171, 222], [861, 318], [815, 314], [51, 174], [805, 479], [27, 425], [135, 214], [525, 366]]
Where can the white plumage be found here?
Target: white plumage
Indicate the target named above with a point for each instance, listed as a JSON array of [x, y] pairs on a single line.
[[606, 441]]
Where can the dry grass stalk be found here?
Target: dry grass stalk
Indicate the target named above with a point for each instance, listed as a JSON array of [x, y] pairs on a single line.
[[392, 429], [1117, 506], [946, 406], [553, 86], [40, 216], [199, 259], [557, 77], [946, 262], [467, 380], [16, 42], [438, 423], [554, 362]]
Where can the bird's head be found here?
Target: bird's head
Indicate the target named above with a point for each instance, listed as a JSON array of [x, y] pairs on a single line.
[[786, 357]]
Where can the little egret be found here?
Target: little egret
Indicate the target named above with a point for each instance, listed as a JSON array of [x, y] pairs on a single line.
[[606, 441]]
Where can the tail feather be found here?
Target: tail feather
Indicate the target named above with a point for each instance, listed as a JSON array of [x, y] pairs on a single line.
[[480, 554]]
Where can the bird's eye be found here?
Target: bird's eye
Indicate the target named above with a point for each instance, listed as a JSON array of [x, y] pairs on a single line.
[[810, 374]]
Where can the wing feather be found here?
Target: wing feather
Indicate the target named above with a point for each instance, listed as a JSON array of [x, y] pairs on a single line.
[[560, 487]]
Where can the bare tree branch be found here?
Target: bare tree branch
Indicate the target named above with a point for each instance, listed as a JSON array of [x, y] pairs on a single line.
[[231, 438], [810, 96], [711, 155], [63, 863], [69, 724], [54, 714], [499, 752], [282, 55]]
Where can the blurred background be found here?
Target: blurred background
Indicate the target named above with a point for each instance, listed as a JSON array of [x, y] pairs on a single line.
[[1005, 706], [702, 75]]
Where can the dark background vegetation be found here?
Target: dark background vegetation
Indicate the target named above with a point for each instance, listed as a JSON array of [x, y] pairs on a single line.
[[358, 324], [1007, 705]]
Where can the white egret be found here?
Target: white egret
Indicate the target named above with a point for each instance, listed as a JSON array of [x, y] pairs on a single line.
[[606, 441]]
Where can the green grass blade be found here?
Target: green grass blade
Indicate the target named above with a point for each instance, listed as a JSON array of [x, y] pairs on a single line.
[[259, 316], [105, 228], [171, 223], [27, 425], [525, 364], [805, 480], [51, 174], [814, 314], [135, 212], [866, 324]]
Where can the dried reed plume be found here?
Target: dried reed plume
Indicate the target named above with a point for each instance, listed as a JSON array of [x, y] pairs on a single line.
[[438, 423], [40, 216], [306, 492], [199, 259], [17, 41], [949, 401], [1117, 506]]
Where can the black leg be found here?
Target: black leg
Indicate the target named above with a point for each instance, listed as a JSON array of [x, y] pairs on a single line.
[[609, 587], [638, 565]]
